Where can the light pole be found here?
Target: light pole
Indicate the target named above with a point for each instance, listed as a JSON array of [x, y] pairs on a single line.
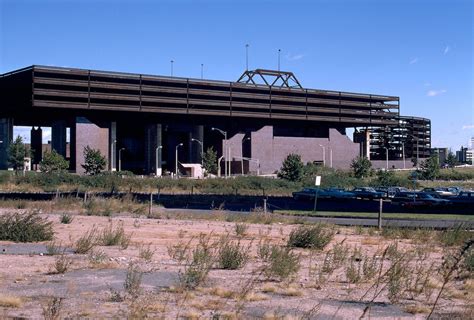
[[403, 155], [202, 71], [172, 61], [324, 154], [246, 57], [330, 157], [202, 150], [120, 159], [279, 51], [386, 157], [225, 148], [158, 162], [112, 155], [176, 160]]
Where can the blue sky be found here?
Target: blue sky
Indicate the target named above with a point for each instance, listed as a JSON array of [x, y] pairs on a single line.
[[418, 50]]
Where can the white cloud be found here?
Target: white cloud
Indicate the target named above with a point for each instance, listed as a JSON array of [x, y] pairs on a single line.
[[413, 60], [294, 57], [447, 49], [434, 93], [468, 126]]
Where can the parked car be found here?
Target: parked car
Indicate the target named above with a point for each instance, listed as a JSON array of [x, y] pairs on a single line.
[[443, 192], [367, 193], [328, 193], [390, 192], [418, 199], [464, 197]]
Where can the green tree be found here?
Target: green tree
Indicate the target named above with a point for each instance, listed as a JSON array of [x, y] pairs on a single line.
[[17, 152], [292, 168], [53, 162], [430, 168], [451, 160], [361, 167], [94, 161], [385, 178], [414, 161], [209, 160]]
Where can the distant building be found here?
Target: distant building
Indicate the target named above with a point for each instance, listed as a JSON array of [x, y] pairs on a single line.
[[461, 155], [442, 153], [469, 158]]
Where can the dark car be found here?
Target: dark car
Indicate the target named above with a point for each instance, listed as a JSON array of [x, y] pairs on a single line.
[[464, 197], [367, 193], [329, 193], [443, 192], [418, 199], [305, 194], [390, 192]]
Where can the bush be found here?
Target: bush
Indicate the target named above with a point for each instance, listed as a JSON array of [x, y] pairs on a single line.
[[133, 280], [94, 161], [25, 227], [231, 255], [430, 168], [292, 168], [316, 236], [114, 236], [241, 229], [281, 263], [53, 162], [62, 263], [87, 242], [361, 167], [66, 218], [16, 154]]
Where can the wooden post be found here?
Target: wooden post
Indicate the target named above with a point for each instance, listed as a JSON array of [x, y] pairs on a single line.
[[265, 206], [380, 214], [85, 196]]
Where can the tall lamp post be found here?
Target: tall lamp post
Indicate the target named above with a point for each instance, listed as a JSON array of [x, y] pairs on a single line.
[[324, 154], [112, 160], [386, 158], [158, 162], [176, 159], [403, 155], [202, 150], [120, 159], [225, 148]]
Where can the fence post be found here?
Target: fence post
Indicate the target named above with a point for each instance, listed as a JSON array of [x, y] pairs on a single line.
[[150, 207], [380, 214], [265, 205]]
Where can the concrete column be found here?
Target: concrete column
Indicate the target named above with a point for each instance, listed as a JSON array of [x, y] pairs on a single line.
[[197, 132], [58, 137], [36, 145], [6, 137], [94, 135], [113, 146], [152, 142]]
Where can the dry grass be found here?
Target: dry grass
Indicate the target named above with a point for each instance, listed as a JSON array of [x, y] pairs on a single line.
[[10, 301], [269, 288], [252, 296], [291, 292], [415, 308], [221, 292]]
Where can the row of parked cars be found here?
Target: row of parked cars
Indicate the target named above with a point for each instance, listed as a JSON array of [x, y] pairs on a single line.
[[398, 195]]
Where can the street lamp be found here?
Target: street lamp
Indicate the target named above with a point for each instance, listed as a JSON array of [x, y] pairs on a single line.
[[120, 159], [324, 154], [158, 162], [386, 157], [225, 148], [176, 160], [403, 155], [202, 150], [172, 61], [330, 157]]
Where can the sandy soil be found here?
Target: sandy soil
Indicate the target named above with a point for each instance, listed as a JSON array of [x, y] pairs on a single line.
[[88, 290]]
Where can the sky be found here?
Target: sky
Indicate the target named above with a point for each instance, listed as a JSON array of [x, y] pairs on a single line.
[[419, 50]]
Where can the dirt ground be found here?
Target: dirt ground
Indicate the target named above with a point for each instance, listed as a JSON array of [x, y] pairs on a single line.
[[93, 285]]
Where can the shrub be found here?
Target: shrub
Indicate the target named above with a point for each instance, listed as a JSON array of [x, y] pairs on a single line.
[[430, 168], [146, 252], [455, 236], [87, 242], [292, 168], [25, 227], [133, 280], [209, 160], [316, 236], [94, 161], [281, 263], [111, 236], [241, 229], [361, 167], [62, 263], [52, 308], [66, 218], [53, 162], [231, 254], [16, 154]]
